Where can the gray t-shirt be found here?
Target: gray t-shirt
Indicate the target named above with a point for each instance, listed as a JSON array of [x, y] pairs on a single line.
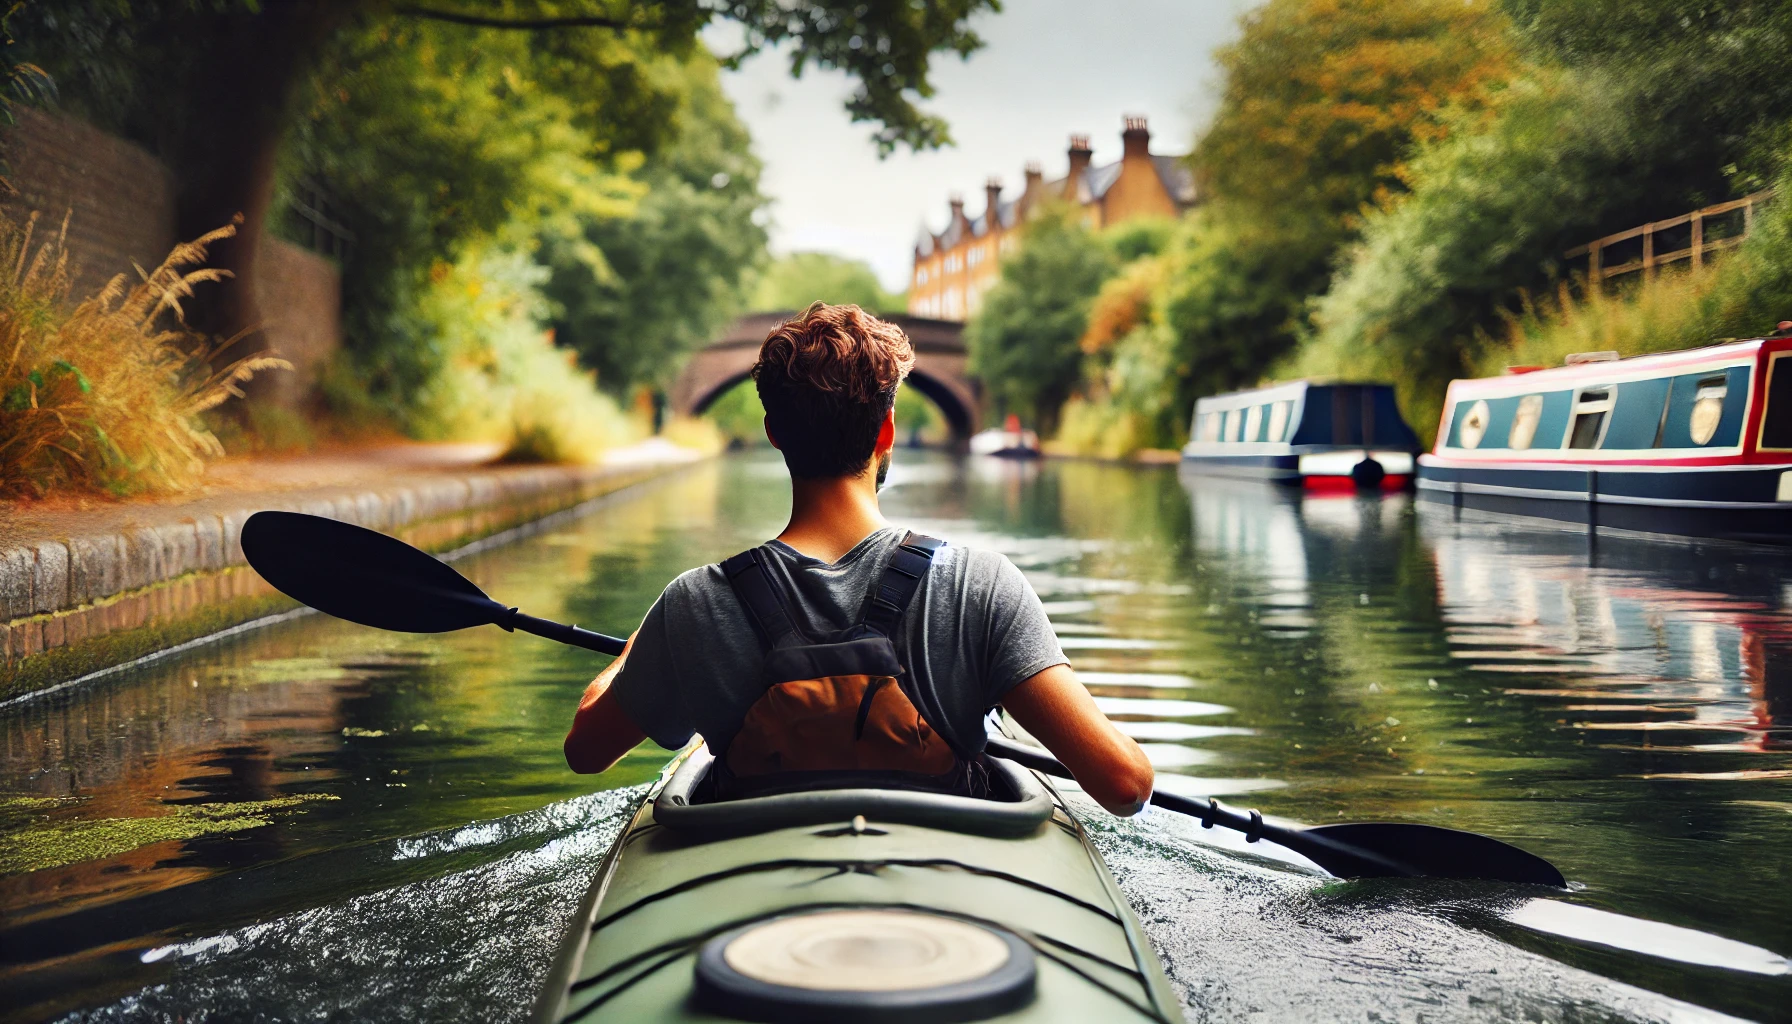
[[974, 630]]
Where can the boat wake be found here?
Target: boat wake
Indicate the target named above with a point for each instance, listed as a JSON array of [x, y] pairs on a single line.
[[1242, 934], [467, 945]]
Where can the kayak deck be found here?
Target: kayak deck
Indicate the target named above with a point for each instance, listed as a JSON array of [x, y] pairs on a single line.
[[631, 951]]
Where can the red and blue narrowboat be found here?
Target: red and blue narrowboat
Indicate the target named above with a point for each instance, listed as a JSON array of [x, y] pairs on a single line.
[[1321, 435], [1697, 442]]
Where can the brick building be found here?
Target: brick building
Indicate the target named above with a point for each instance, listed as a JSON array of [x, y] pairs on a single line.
[[954, 268]]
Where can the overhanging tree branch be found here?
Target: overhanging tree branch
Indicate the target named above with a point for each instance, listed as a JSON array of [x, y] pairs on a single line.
[[571, 21]]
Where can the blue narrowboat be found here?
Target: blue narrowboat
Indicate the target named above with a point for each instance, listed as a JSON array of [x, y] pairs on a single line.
[[1321, 435], [1697, 442]]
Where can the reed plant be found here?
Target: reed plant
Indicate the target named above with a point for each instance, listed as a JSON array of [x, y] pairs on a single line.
[[103, 394]]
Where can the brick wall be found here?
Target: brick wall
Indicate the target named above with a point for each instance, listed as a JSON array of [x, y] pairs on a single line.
[[119, 199], [300, 293], [120, 203]]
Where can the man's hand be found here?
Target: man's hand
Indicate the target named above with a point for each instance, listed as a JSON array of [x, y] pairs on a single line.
[[1059, 712], [601, 731]]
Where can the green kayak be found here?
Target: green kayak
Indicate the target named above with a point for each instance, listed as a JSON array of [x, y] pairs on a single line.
[[862, 905]]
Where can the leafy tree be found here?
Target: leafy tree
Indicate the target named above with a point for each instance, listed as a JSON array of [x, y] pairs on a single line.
[[636, 293], [430, 138], [210, 84], [794, 281], [1631, 111], [1324, 101], [1324, 98], [1025, 340]]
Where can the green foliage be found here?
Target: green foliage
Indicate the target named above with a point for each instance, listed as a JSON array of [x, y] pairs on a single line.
[[793, 282], [1741, 295], [886, 47], [738, 415], [636, 293], [1024, 341], [502, 378], [1141, 237], [430, 139], [1707, 78], [1634, 111], [1324, 98]]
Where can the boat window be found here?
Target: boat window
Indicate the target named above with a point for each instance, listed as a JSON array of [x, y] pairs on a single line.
[[1207, 427], [1253, 419], [1524, 422], [1225, 421], [1708, 408], [1278, 420], [1474, 425], [1590, 410], [1237, 432], [1776, 420]]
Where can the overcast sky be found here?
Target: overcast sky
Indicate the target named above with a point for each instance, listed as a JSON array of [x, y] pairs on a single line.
[[1051, 67]]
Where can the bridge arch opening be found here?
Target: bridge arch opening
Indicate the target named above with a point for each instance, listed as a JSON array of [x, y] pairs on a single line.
[[958, 418]]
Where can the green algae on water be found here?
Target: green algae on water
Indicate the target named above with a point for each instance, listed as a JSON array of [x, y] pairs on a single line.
[[58, 844]]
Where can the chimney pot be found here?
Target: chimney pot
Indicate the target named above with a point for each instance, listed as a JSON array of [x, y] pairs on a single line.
[[1136, 139]]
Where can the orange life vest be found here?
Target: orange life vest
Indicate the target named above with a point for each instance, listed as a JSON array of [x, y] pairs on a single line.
[[834, 711]]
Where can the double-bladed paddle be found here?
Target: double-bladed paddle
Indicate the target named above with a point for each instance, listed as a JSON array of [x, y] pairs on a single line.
[[375, 580], [369, 578]]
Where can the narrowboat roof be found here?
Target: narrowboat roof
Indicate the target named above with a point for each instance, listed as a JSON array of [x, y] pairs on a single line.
[[1283, 389], [1609, 371]]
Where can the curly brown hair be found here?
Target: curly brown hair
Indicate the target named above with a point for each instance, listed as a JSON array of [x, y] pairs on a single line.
[[827, 379]]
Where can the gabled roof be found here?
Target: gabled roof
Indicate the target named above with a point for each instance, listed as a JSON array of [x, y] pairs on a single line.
[[1177, 176], [1097, 180]]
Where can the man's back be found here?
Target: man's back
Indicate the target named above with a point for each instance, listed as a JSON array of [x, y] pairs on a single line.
[[973, 630], [973, 633]]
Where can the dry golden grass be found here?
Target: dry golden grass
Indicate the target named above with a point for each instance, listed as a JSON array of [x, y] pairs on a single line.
[[103, 395]]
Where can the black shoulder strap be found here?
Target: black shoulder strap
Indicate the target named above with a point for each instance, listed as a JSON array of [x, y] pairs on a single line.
[[899, 582], [753, 585]]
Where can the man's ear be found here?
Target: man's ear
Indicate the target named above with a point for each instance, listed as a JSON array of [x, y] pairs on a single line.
[[886, 434], [768, 433]]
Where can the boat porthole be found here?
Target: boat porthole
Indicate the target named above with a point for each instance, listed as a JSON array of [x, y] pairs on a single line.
[[870, 965], [1524, 422], [1474, 425], [1706, 413]]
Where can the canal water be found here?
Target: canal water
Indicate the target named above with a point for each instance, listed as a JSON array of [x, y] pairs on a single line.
[[316, 821]]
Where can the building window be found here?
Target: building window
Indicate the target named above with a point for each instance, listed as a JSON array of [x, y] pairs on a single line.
[[921, 276]]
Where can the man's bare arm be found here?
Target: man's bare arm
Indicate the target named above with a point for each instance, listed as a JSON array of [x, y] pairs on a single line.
[[1059, 712], [601, 731]]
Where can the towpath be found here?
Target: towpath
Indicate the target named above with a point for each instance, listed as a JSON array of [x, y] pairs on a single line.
[[89, 584]]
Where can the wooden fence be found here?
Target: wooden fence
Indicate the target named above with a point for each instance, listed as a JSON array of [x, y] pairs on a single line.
[[1697, 247]]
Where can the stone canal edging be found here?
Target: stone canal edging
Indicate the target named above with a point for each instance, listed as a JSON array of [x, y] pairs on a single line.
[[74, 605]]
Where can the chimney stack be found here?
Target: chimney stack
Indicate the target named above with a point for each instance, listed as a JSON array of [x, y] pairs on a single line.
[[1136, 138], [992, 210], [1035, 174], [1080, 154]]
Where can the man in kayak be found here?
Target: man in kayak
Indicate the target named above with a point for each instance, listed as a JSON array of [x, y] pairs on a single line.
[[783, 657]]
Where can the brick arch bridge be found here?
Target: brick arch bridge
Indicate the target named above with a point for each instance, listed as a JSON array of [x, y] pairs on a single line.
[[940, 373]]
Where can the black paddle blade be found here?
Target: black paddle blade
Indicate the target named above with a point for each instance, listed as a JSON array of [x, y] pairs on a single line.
[[1427, 850], [365, 577]]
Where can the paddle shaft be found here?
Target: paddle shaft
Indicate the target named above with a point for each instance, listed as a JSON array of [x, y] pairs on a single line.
[[1211, 813], [561, 632], [375, 580]]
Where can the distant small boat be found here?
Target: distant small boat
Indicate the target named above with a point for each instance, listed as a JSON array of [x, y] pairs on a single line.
[[1322, 435], [1697, 442], [1008, 442]]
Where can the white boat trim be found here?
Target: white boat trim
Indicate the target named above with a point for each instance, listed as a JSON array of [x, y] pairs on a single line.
[[1502, 490]]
